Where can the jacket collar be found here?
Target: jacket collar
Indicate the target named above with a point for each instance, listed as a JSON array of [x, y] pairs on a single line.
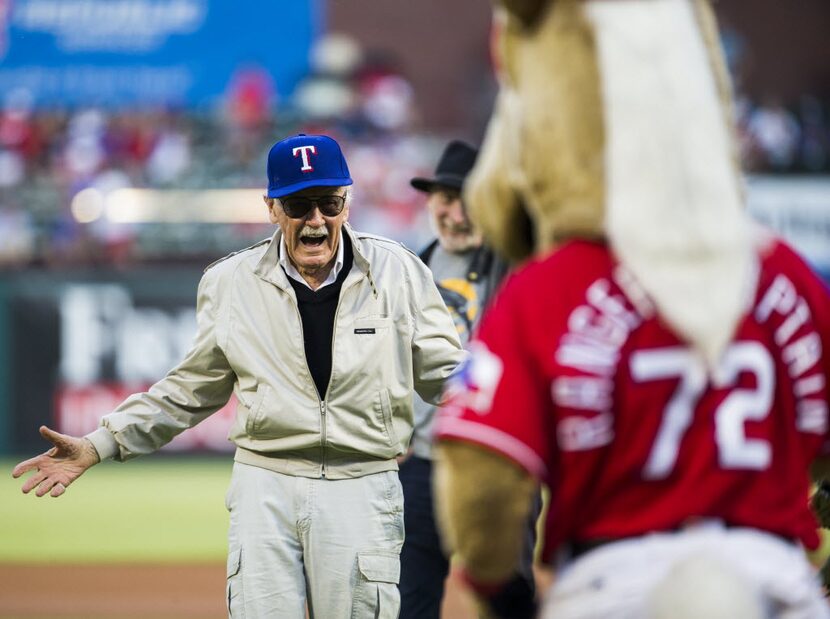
[[269, 269]]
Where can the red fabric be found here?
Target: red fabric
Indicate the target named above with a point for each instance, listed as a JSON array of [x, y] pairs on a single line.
[[572, 382]]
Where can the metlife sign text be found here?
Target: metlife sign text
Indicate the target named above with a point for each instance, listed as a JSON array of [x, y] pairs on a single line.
[[150, 52], [136, 26]]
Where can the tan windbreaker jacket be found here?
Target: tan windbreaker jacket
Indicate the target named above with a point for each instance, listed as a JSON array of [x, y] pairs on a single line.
[[392, 334]]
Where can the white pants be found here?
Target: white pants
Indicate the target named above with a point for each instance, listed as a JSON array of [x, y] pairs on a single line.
[[332, 543], [705, 572]]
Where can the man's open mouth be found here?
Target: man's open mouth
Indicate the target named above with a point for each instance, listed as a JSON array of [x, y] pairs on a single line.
[[312, 241]]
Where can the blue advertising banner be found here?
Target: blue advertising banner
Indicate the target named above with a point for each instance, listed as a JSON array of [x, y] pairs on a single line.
[[138, 52]]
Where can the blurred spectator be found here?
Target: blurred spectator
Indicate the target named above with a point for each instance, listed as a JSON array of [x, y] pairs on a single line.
[[250, 103], [84, 152], [170, 156], [774, 135], [815, 134], [17, 129], [12, 168], [327, 95], [129, 139], [17, 237], [386, 204], [114, 239], [387, 101]]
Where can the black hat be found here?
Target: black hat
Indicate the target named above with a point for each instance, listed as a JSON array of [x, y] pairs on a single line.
[[456, 162]]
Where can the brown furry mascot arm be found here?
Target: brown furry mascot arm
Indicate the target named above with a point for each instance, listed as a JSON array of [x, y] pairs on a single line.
[[482, 502]]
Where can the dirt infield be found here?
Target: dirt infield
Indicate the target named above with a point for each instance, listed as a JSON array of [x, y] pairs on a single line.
[[134, 592], [121, 591]]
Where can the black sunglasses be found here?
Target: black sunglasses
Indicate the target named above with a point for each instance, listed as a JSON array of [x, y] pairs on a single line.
[[299, 206]]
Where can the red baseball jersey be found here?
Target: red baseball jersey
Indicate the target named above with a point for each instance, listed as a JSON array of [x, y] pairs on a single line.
[[574, 376]]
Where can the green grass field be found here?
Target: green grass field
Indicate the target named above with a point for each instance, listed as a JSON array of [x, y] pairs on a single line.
[[147, 510], [153, 509]]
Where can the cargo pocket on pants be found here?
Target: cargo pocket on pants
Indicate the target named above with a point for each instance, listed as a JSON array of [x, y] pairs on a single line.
[[233, 587], [376, 594]]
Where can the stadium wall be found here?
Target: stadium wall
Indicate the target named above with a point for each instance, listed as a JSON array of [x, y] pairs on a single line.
[[74, 344]]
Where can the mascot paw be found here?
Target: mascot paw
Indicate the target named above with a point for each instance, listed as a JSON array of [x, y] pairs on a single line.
[[820, 502], [516, 599]]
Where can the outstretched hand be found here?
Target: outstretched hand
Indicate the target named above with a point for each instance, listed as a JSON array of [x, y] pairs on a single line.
[[60, 466]]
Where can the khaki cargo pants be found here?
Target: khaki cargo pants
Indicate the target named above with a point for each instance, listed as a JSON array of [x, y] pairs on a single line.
[[333, 544]]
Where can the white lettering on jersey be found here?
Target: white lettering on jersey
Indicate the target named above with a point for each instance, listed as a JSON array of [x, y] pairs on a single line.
[[583, 392], [614, 305], [797, 319], [809, 385], [812, 416], [634, 292], [304, 152], [802, 354], [587, 354], [779, 297], [580, 433], [597, 331]]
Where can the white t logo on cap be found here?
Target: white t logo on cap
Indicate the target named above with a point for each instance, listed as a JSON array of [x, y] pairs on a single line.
[[304, 151]]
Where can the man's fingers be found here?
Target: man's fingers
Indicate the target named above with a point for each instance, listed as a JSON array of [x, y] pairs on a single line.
[[45, 486], [65, 461], [33, 481], [26, 465]]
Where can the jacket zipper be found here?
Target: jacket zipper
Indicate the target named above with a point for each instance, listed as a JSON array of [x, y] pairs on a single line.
[[324, 432], [323, 438], [320, 403]]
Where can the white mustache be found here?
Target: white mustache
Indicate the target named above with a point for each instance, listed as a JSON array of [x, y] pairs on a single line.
[[459, 229], [313, 232]]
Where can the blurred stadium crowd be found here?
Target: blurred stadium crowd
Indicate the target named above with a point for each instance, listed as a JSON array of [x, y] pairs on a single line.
[[49, 156], [776, 136]]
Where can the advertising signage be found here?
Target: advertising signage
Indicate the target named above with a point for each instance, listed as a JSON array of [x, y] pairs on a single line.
[[82, 343], [139, 52]]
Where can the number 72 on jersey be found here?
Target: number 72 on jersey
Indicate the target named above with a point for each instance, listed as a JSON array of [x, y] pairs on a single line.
[[735, 449]]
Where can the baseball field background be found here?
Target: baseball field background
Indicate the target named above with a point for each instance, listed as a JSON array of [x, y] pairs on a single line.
[[139, 540], [142, 539]]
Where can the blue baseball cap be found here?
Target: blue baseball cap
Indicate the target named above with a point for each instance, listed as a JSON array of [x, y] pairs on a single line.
[[304, 161]]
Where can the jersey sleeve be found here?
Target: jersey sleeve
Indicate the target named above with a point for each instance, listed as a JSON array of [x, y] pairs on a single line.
[[498, 398]]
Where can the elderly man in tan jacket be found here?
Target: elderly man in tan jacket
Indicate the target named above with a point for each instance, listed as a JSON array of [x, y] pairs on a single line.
[[323, 333]]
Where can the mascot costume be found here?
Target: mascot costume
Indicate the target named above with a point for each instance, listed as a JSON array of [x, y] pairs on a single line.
[[613, 122]]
